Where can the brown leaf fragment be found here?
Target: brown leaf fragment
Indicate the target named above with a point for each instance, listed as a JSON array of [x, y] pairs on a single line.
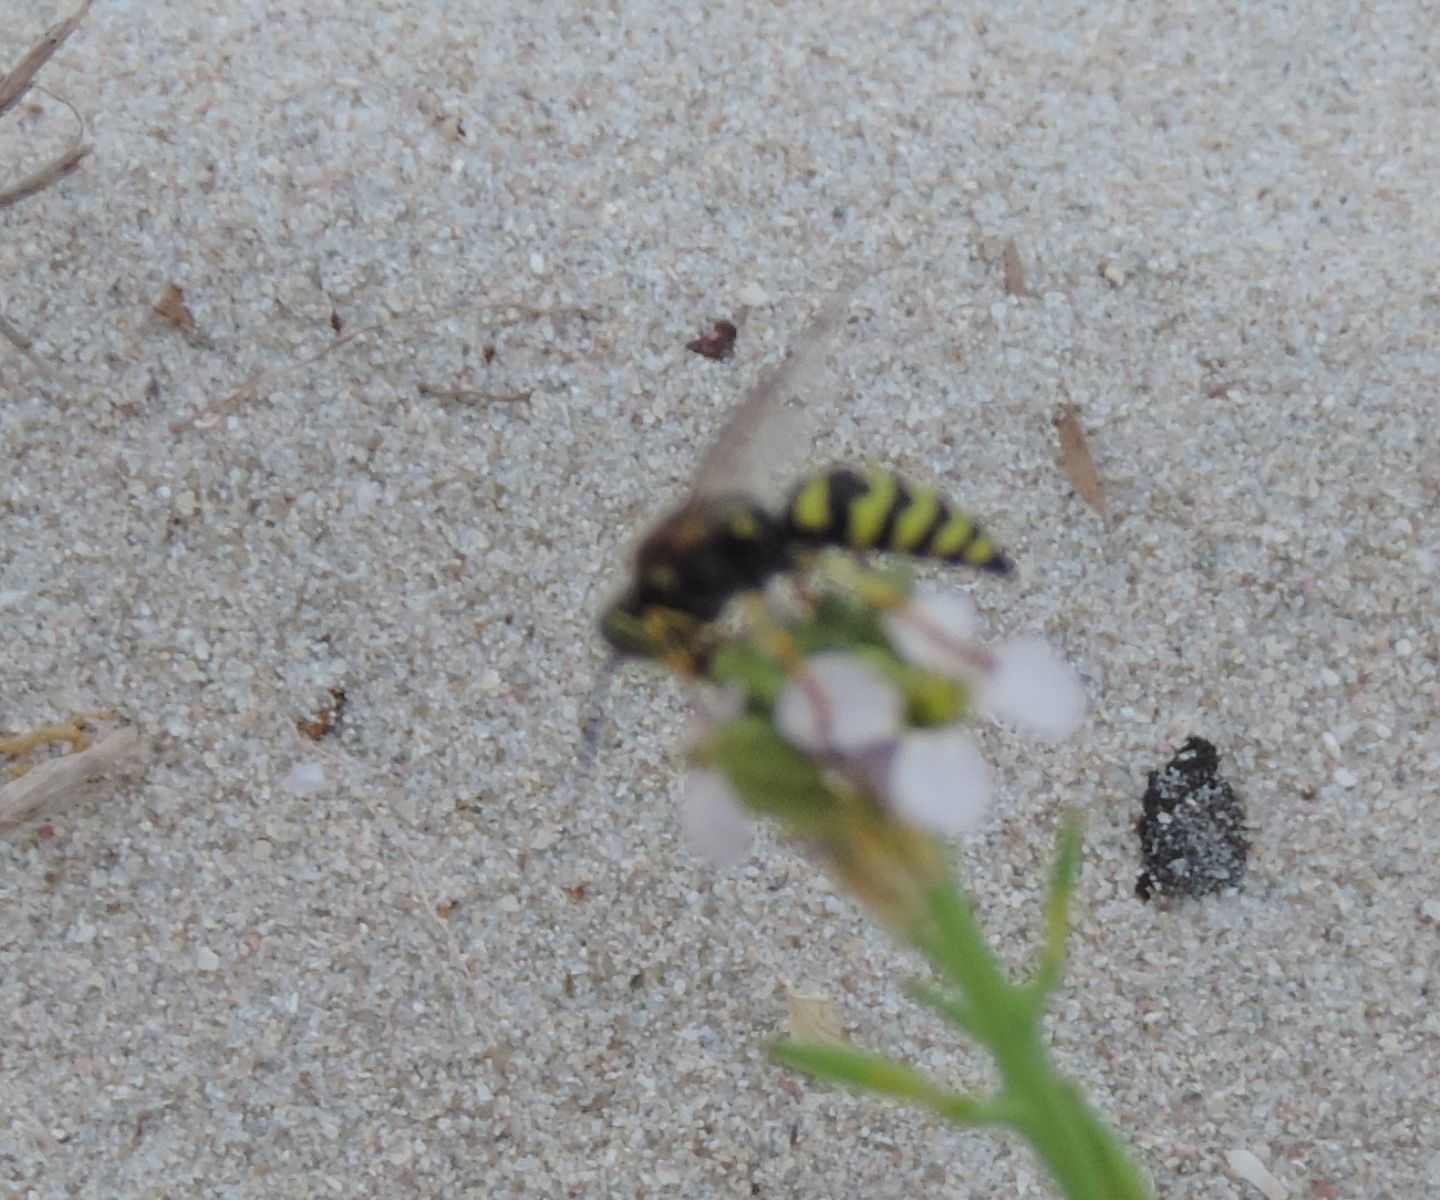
[[718, 344], [1014, 271], [325, 718], [173, 308], [1076, 461]]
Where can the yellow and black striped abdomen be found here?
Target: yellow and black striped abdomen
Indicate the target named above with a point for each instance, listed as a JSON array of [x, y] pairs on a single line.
[[875, 510]]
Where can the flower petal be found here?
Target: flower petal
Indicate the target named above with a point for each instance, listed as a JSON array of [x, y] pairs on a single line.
[[937, 633], [714, 822], [1034, 687], [842, 705], [939, 780]]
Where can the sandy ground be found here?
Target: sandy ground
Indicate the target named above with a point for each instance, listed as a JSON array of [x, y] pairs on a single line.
[[423, 956]]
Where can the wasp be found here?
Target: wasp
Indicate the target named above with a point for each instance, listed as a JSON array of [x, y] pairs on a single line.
[[721, 543]]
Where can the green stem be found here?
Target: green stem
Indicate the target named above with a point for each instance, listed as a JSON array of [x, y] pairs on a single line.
[[1084, 1157]]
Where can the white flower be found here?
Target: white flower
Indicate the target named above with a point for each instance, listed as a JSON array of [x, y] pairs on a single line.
[[845, 708], [1035, 688], [839, 705], [714, 822], [939, 780], [937, 632], [1022, 681]]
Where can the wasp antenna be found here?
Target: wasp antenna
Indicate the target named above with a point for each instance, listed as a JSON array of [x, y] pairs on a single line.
[[594, 704], [588, 754]]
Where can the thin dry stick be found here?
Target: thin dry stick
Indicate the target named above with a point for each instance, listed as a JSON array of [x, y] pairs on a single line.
[[49, 786], [470, 396], [206, 416], [45, 176]]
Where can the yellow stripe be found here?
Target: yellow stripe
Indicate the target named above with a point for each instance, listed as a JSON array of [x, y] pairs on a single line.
[[868, 512], [811, 510], [744, 525], [911, 525], [951, 536], [663, 577], [980, 551]]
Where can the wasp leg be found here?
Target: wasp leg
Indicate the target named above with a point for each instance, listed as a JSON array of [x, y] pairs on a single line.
[[595, 705]]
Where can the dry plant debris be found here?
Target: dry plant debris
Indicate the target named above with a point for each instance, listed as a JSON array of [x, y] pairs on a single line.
[[13, 87], [811, 1015], [39, 788], [326, 717], [14, 84], [506, 312], [718, 344], [1076, 460], [471, 395], [172, 307], [1014, 271]]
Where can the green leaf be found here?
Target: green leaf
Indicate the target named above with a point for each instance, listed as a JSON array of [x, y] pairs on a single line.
[[770, 775], [876, 1073], [952, 1008], [1057, 916], [838, 622], [756, 673]]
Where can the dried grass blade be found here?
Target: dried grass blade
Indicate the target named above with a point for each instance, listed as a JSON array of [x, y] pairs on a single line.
[[45, 176], [17, 82]]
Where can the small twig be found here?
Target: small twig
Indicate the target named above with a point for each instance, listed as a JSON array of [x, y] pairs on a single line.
[[18, 81], [45, 176], [206, 416], [470, 396]]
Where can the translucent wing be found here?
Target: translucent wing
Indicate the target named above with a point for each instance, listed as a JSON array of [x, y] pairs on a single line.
[[760, 436]]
